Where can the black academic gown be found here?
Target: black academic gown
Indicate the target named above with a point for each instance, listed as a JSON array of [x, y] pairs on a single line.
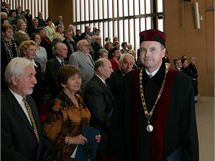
[[173, 119]]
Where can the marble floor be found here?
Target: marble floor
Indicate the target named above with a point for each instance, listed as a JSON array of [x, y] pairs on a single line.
[[205, 123]]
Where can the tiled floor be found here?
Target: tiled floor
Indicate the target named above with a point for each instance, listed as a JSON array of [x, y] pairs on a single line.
[[205, 122]]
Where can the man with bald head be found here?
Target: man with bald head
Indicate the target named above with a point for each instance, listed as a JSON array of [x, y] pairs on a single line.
[[53, 64], [100, 100], [83, 61]]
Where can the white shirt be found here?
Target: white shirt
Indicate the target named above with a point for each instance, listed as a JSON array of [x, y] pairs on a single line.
[[101, 79], [151, 74], [19, 99]]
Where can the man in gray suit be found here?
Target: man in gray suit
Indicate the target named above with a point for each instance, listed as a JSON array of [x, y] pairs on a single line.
[[83, 61]]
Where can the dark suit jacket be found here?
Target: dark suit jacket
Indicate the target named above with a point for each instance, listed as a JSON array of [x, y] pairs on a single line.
[[52, 66], [18, 141], [99, 99], [69, 49]]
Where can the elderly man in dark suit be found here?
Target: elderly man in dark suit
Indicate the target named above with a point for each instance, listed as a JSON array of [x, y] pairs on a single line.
[[21, 132], [100, 100], [60, 52]]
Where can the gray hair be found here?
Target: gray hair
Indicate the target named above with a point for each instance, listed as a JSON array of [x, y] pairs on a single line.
[[123, 56], [16, 67]]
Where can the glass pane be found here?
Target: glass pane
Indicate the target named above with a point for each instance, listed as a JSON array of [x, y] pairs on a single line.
[[131, 8], [136, 7], [82, 27], [82, 10], [148, 23], [126, 33], [137, 31], [105, 29], [160, 24], [142, 6], [115, 28], [120, 8], [142, 23], [110, 9], [121, 31], [125, 7], [78, 12], [86, 10], [160, 5], [115, 8], [74, 11], [131, 32], [110, 27], [96, 10], [148, 7], [101, 31], [91, 10], [105, 8], [100, 9]]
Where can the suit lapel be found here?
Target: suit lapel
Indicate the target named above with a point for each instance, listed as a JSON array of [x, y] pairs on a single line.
[[106, 88], [18, 109]]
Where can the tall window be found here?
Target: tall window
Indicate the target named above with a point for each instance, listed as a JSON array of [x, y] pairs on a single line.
[[35, 6], [121, 18]]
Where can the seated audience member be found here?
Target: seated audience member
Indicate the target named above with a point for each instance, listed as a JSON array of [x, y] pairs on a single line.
[[8, 50], [96, 45], [52, 65], [12, 18], [109, 46], [42, 22], [116, 45], [28, 17], [69, 42], [87, 31], [59, 21], [83, 61], [107, 39], [28, 51], [70, 113], [103, 53], [21, 132], [115, 39], [41, 54], [77, 36], [21, 35], [34, 26], [124, 47], [46, 43], [126, 63], [4, 15], [100, 100], [49, 29], [177, 64], [59, 32], [116, 53]]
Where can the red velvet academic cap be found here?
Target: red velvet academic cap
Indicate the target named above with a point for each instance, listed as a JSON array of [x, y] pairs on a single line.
[[153, 35]]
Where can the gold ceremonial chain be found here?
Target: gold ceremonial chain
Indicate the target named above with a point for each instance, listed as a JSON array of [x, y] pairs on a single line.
[[148, 115]]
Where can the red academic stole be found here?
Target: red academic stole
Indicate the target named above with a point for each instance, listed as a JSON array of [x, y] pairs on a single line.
[[159, 116]]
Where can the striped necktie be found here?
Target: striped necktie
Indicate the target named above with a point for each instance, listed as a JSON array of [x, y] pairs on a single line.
[[28, 108]]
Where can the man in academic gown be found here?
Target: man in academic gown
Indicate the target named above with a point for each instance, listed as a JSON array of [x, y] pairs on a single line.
[[155, 116]]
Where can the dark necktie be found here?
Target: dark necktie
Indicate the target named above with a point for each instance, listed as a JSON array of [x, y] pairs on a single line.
[[28, 108], [62, 63]]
